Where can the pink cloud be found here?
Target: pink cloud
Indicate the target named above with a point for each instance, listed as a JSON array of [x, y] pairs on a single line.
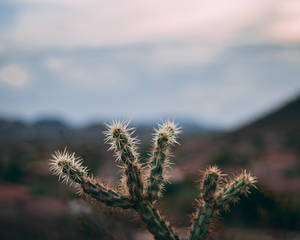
[[67, 23]]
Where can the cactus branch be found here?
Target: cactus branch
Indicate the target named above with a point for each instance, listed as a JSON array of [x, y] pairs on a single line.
[[164, 137], [215, 198], [107, 195], [205, 210], [202, 220], [70, 170], [155, 222], [236, 187], [120, 138]]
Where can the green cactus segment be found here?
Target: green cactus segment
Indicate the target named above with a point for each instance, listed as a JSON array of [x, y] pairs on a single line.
[[69, 169], [210, 182], [126, 153], [206, 210], [124, 146], [202, 221], [72, 171], [156, 179], [232, 191], [133, 181], [67, 166], [163, 138], [104, 194], [155, 223]]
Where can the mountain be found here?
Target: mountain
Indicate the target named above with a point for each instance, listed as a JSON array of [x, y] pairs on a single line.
[[16, 131], [286, 116], [52, 129], [268, 146]]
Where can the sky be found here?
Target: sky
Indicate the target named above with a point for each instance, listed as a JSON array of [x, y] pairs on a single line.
[[219, 63]]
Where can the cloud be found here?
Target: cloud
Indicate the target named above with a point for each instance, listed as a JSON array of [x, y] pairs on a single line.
[[14, 76], [101, 23], [285, 26], [196, 32], [218, 61], [186, 53], [79, 74], [54, 64]]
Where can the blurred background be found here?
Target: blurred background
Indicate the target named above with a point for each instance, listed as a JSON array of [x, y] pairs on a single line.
[[227, 71]]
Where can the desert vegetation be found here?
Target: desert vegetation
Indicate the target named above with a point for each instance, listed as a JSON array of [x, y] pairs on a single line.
[[141, 186]]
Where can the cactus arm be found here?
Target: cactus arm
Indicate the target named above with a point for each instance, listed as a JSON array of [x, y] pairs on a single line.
[[120, 138], [159, 157], [155, 223], [231, 192], [106, 195], [164, 137], [202, 220], [70, 170], [123, 144], [214, 199], [205, 210], [134, 181]]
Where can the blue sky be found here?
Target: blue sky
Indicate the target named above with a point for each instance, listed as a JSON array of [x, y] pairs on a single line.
[[217, 62]]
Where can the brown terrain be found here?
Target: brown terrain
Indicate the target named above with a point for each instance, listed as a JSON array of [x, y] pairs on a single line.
[[33, 205]]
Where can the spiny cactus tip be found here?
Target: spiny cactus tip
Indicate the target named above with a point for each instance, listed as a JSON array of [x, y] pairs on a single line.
[[169, 129], [247, 178], [119, 136], [114, 128], [66, 165]]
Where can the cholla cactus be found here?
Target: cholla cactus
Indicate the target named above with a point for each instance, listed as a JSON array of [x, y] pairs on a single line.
[[141, 187]]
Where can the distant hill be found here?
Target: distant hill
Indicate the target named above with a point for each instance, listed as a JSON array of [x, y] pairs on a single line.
[[269, 147], [42, 130], [51, 129], [282, 124], [286, 116]]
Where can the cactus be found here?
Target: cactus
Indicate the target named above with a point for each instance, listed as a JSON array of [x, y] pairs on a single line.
[[142, 186]]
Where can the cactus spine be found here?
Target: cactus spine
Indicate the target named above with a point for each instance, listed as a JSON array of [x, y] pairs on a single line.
[[141, 187]]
